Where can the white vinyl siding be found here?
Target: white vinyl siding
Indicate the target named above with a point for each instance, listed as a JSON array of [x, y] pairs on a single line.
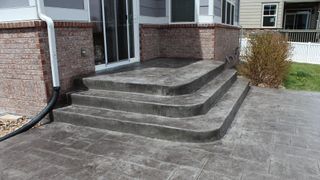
[[251, 13], [70, 4], [153, 8]]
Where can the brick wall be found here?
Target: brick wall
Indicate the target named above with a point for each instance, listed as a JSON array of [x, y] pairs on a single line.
[[25, 75], [22, 87], [187, 42], [226, 41], [150, 41], [70, 42], [253, 31], [204, 41]]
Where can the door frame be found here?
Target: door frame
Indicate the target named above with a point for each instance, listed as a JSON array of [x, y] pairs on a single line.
[[295, 16], [136, 58]]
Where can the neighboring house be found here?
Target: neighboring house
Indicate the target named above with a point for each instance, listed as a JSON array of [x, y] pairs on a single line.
[[299, 19], [94, 35]]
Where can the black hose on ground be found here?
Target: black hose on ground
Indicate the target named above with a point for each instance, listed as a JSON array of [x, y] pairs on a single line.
[[37, 118]]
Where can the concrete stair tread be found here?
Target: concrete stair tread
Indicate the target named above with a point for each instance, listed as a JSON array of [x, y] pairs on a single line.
[[197, 98], [161, 76], [208, 123], [158, 80]]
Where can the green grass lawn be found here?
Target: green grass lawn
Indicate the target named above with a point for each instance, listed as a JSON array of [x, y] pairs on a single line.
[[303, 77]]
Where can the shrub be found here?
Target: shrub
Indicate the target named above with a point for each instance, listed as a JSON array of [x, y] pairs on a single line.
[[266, 62]]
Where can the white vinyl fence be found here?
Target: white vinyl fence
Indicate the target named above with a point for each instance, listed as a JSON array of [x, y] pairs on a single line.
[[301, 52]]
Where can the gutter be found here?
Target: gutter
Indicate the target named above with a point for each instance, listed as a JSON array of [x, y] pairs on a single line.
[[54, 71]]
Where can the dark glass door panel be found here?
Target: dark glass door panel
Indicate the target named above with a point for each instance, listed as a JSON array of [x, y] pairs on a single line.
[[131, 28], [290, 18], [111, 30], [119, 30], [122, 30], [96, 16], [301, 21]]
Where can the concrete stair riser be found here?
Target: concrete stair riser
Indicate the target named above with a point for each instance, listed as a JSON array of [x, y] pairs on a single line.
[[231, 115], [142, 129], [154, 130], [146, 107], [194, 102], [180, 89]]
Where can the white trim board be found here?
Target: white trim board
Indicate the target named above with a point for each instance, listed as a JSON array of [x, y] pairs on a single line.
[[153, 20], [103, 67], [18, 14], [64, 14]]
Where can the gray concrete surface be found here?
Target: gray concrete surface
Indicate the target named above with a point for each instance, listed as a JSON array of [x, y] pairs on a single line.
[[275, 135], [205, 93], [160, 76]]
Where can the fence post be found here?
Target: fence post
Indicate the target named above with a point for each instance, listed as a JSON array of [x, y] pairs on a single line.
[[308, 51]]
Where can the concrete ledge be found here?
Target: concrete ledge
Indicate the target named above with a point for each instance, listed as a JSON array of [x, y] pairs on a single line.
[[208, 26]]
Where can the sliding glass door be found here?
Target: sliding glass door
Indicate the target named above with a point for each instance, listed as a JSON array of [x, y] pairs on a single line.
[[297, 20], [118, 32]]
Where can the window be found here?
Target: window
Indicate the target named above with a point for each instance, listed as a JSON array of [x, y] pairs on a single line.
[[269, 15], [227, 12], [182, 10]]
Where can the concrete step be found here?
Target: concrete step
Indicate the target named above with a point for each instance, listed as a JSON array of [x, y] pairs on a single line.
[[161, 81], [210, 126], [193, 104]]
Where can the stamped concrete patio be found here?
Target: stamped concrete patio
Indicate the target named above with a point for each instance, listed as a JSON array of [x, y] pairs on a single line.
[[275, 135]]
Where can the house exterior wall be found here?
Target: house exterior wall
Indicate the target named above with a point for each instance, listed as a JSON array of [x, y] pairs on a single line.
[[251, 13], [153, 8], [187, 41], [204, 7], [217, 7], [25, 75], [209, 11], [13, 3], [26, 10], [226, 41], [211, 41], [22, 85], [71, 4], [149, 42]]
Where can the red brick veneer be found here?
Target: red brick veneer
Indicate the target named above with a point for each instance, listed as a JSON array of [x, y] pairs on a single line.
[[198, 41], [25, 75]]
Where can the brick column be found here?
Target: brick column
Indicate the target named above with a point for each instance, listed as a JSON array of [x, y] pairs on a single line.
[[196, 41], [25, 74]]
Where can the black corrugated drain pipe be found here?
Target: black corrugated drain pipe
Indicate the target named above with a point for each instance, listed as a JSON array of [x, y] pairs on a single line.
[[37, 118], [54, 71]]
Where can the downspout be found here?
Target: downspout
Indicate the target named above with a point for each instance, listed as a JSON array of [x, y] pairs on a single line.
[[54, 71]]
